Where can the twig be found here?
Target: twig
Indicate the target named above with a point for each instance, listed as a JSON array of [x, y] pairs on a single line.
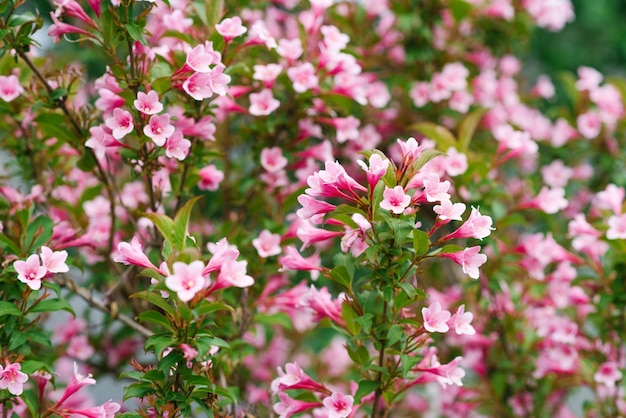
[[103, 306]]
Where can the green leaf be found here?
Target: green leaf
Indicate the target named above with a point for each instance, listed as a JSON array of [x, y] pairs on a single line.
[[349, 315], [8, 308], [38, 232], [207, 307], [52, 305], [17, 339], [409, 289], [136, 33], [53, 125], [421, 242], [172, 359], [10, 244], [216, 341], [280, 318], [407, 363], [181, 223], [365, 321], [365, 388], [164, 224], [424, 157], [138, 390], [31, 366], [468, 127], [87, 162], [159, 342], [225, 393], [155, 299], [214, 10], [155, 317], [460, 9], [341, 276], [441, 135], [394, 334]]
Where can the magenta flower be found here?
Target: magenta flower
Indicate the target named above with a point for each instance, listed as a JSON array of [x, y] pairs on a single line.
[[77, 382], [12, 378], [377, 168], [288, 406], [435, 319], [58, 29], [267, 244], [608, 374], [159, 129], [121, 123], [263, 103], [395, 200], [54, 261], [30, 271], [10, 87], [231, 28], [148, 104], [338, 405], [187, 280], [311, 207]]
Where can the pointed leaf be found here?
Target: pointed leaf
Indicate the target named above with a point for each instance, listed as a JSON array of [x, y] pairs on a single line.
[[468, 127], [164, 224], [181, 222], [441, 135]]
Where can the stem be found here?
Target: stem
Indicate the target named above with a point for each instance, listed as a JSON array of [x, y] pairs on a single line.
[[102, 306], [381, 360]]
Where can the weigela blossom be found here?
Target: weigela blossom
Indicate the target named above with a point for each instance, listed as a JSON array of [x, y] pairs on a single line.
[[10, 88], [469, 259], [477, 226], [177, 147], [121, 123], [617, 227], [148, 104], [435, 319], [267, 244], [30, 271], [187, 279], [54, 261], [338, 405], [608, 374], [210, 178], [12, 378], [159, 129], [395, 200], [263, 103], [230, 28]]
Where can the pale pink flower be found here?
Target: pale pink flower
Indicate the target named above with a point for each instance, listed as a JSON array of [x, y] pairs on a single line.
[[612, 198], [550, 14], [461, 101], [58, 29], [148, 104], [231, 28], [54, 261], [267, 73], [233, 273], [469, 259], [347, 128], [12, 378], [549, 200], [556, 174], [295, 378], [30, 271], [290, 49], [588, 78], [333, 38], [272, 159], [10, 87], [133, 254], [456, 163], [121, 123], [449, 211], [177, 147], [502, 9], [377, 168], [435, 319], [202, 57], [187, 279], [77, 382], [395, 200], [303, 77], [159, 129], [288, 406], [263, 103], [462, 322], [267, 244], [477, 226], [293, 260], [203, 85], [544, 87], [617, 227], [338, 405], [210, 178], [435, 189], [589, 124], [99, 140], [420, 94]]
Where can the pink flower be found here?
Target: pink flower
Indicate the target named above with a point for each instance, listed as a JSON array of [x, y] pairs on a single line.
[[311, 207], [607, 374], [449, 211], [133, 254], [159, 129], [419, 93], [233, 274], [338, 405], [291, 49], [58, 29], [462, 322], [549, 200], [231, 28], [588, 78], [589, 124], [12, 378], [200, 58], [435, 189], [288, 406], [106, 410], [30, 271], [177, 147], [267, 244], [435, 318], [303, 77], [295, 378], [617, 227], [293, 260], [272, 159], [347, 128], [544, 87], [477, 226], [148, 104], [10, 87], [203, 85], [469, 259], [263, 103], [187, 279], [395, 200], [54, 262], [267, 73], [210, 178], [377, 168], [121, 123], [77, 382]]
